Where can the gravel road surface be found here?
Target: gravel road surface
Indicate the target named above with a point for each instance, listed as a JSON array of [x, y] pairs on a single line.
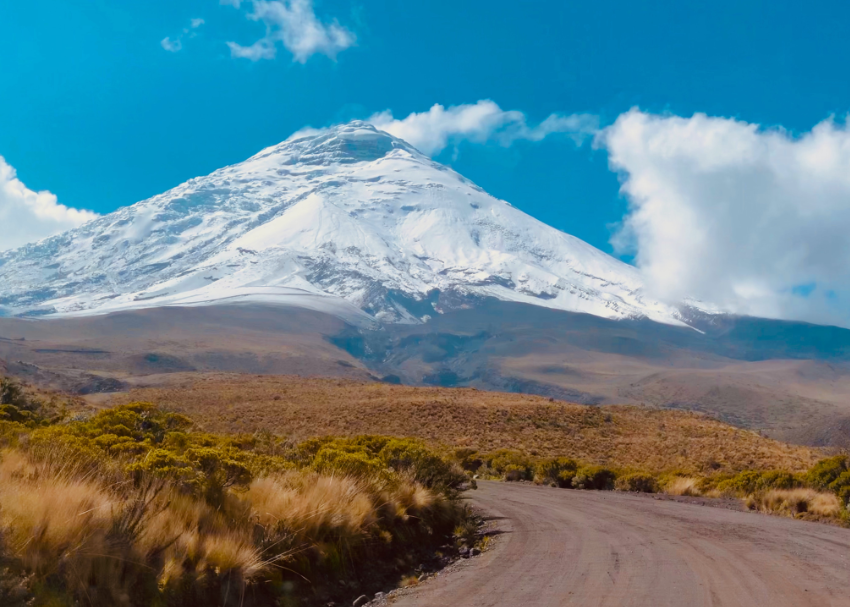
[[587, 548]]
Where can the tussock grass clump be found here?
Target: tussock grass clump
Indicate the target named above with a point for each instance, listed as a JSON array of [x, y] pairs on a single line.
[[796, 502], [135, 507], [683, 485]]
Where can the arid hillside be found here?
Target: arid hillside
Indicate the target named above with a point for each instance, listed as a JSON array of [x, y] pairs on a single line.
[[88, 355], [790, 381], [623, 436]]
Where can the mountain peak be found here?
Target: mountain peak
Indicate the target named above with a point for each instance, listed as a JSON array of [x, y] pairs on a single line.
[[348, 218], [355, 141]]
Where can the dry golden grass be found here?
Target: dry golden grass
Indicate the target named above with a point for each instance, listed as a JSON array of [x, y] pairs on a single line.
[[51, 518], [625, 436], [59, 520], [185, 530], [329, 515], [93, 533], [313, 506], [796, 502], [683, 485]]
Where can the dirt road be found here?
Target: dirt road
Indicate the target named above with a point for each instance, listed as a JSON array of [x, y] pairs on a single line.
[[584, 548]]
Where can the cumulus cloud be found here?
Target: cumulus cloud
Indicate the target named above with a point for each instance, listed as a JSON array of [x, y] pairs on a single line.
[[755, 220], [28, 216], [432, 131], [294, 24]]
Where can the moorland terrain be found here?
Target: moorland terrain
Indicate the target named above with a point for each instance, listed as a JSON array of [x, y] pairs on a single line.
[[620, 436], [788, 380], [198, 488]]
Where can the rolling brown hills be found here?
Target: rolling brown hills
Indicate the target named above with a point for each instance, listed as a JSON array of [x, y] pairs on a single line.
[[623, 436], [99, 354], [788, 380]]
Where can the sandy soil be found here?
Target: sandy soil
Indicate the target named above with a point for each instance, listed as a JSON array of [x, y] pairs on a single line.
[[562, 547]]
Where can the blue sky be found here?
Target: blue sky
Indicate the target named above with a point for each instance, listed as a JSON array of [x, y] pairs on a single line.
[[97, 111]]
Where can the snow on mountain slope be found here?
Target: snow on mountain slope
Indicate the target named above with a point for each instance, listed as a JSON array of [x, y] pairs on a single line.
[[351, 221]]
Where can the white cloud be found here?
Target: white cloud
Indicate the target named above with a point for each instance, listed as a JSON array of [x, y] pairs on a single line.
[[176, 44], [755, 220], [172, 46], [261, 49], [434, 130], [27, 216], [294, 24]]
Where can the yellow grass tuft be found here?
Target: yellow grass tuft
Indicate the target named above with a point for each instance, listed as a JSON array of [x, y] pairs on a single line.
[[109, 536], [796, 502], [312, 506], [56, 522], [683, 485], [134, 507], [51, 518]]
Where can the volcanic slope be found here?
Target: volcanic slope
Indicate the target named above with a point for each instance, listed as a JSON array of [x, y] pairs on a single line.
[[350, 221]]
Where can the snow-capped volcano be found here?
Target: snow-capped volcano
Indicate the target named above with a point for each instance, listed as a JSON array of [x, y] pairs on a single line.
[[350, 220]]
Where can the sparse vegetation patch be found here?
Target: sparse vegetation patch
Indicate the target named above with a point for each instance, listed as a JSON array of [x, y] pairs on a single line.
[[135, 506], [623, 437]]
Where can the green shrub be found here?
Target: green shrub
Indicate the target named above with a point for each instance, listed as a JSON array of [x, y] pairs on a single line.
[[742, 483], [330, 460], [468, 459], [594, 477], [11, 433], [844, 495], [13, 414], [305, 451], [841, 486], [420, 462], [511, 465], [378, 455], [778, 479], [162, 463], [12, 394], [638, 482], [558, 471], [19, 407], [752, 481], [826, 471], [371, 443]]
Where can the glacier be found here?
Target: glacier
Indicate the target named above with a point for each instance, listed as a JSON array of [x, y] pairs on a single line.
[[349, 220]]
